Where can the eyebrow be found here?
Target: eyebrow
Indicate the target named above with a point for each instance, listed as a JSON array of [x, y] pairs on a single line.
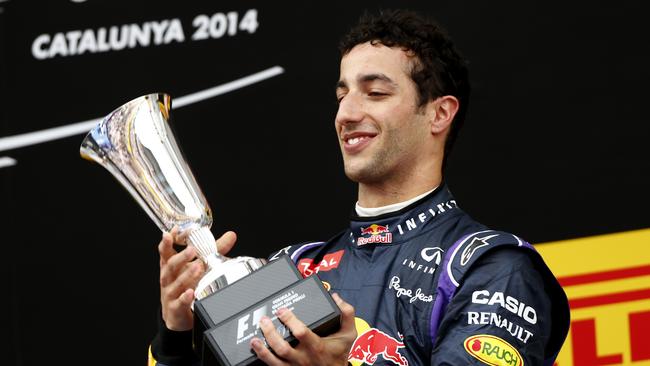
[[367, 78]]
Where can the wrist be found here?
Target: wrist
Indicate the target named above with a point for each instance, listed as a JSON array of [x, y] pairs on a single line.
[[173, 347]]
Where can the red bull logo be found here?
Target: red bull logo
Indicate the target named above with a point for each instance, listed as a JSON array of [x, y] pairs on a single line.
[[372, 343], [378, 234]]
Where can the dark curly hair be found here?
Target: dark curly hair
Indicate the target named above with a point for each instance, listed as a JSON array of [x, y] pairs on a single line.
[[439, 69]]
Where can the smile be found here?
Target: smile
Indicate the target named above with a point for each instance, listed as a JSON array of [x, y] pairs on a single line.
[[356, 140]]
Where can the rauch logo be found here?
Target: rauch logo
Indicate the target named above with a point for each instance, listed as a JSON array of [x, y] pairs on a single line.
[[493, 350]]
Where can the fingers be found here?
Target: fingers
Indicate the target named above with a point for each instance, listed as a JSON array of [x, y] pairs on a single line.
[[276, 340], [186, 298], [169, 271], [311, 349], [347, 315], [188, 278], [226, 242], [264, 354], [303, 334], [165, 248], [182, 237], [177, 313]]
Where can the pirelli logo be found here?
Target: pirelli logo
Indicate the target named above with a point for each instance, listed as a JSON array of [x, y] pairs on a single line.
[[607, 280]]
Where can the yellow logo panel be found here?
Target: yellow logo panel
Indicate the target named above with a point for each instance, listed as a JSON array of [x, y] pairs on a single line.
[[492, 350], [607, 280]]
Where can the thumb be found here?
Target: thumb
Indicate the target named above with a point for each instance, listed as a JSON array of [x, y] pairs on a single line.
[[347, 313], [226, 242]]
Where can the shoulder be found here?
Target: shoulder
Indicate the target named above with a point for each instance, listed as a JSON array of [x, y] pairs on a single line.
[[296, 250], [492, 261], [301, 249], [473, 247]]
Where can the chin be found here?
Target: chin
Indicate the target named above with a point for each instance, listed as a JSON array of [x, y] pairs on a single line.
[[354, 173], [361, 174]]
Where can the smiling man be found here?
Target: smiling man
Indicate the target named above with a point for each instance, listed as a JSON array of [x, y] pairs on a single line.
[[418, 280]]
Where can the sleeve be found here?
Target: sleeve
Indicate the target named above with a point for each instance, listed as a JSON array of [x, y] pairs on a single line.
[[171, 348], [499, 315]]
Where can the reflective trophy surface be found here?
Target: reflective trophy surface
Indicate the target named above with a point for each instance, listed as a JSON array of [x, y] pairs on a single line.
[[135, 143]]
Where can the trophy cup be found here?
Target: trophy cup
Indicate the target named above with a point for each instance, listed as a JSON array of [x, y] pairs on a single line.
[[135, 143]]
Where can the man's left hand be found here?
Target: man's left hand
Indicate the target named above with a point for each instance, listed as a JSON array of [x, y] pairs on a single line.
[[311, 349]]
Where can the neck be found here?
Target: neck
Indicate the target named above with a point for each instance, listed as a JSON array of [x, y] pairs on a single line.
[[397, 190]]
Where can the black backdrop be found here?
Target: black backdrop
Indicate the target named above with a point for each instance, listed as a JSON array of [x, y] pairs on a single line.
[[555, 145]]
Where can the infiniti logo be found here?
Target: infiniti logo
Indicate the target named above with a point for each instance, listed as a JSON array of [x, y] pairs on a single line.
[[429, 254]]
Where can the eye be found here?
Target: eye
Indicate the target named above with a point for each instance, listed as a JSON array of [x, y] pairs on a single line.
[[377, 94]]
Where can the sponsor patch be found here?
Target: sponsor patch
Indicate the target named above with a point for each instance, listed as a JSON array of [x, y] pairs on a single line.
[[422, 217], [497, 320], [378, 234], [411, 294], [432, 256], [373, 343], [327, 285], [307, 267], [509, 303], [281, 252], [429, 254], [476, 243], [492, 350]]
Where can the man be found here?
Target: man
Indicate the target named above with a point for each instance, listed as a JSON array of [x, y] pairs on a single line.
[[429, 285]]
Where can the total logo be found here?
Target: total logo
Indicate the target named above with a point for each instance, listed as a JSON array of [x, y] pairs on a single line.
[[372, 343], [492, 350], [378, 234], [307, 267]]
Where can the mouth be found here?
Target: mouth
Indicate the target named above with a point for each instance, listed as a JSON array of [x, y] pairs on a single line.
[[356, 141]]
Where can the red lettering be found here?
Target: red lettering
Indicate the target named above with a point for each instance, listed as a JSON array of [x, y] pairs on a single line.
[[583, 336], [330, 261], [639, 328], [305, 267]]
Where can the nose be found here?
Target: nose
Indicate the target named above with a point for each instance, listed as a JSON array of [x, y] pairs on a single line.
[[350, 110]]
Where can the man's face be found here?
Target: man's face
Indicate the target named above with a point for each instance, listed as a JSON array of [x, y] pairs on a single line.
[[383, 134]]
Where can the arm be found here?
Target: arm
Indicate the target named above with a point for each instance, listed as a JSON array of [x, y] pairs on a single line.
[[179, 275], [502, 296]]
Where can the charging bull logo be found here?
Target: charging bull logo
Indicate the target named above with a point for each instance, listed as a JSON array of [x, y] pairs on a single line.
[[378, 234], [493, 350], [372, 343]]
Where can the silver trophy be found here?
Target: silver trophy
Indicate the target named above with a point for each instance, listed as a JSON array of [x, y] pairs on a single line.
[[136, 144]]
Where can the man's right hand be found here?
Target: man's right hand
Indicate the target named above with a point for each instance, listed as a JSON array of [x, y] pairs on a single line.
[[179, 274]]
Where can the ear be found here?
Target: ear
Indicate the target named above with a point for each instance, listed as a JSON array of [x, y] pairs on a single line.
[[442, 112]]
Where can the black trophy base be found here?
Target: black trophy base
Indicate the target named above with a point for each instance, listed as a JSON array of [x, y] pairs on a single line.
[[228, 343], [232, 299]]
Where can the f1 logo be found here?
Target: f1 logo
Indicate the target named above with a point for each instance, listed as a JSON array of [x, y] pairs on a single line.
[[243, 325]]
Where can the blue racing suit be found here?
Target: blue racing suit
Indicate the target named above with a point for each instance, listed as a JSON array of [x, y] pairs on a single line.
[[431, 286]]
